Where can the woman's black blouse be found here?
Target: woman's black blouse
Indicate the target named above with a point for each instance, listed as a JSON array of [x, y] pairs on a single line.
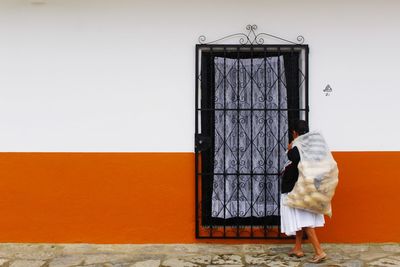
[[291, 173]]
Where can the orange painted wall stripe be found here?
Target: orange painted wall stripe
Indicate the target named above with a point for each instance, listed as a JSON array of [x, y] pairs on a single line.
[[366, 203], [149, 198]]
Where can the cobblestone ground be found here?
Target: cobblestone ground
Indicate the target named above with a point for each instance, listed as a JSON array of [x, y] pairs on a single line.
[[61, 255]]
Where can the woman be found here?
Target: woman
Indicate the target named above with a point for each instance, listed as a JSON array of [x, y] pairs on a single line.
[[295, 221]]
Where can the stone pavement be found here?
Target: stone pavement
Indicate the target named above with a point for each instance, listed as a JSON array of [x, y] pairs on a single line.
[[204, 255]]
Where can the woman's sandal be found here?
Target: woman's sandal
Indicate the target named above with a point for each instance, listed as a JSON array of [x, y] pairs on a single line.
[[296, 254], [318, 259]]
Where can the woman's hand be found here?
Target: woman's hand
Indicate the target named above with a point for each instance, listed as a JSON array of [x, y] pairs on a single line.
[[290, 146]]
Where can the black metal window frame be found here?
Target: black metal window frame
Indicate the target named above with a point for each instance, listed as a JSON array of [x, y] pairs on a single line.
[[245, 228]]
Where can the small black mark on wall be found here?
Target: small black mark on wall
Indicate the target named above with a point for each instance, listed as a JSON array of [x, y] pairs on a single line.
[[328, 90]]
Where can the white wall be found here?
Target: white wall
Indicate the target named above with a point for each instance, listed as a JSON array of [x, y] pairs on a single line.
[[97, 75]]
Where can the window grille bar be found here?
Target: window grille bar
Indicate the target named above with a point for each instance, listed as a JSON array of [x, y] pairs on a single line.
[[279, 133], [224, 207], [251, 140], [242, 173], [265, 137], [196, 156], [244, 237], [238, 141], [306, 83], [259, 47], [212, 65], [251, 109]]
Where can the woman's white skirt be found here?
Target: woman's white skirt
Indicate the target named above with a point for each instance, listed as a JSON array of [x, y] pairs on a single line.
[[293, 219]]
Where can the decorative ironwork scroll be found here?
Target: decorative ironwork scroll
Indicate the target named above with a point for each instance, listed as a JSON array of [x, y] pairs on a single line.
[[251, 37]]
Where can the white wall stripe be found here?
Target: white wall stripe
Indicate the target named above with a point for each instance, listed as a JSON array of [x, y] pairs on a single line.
[[99, 75]]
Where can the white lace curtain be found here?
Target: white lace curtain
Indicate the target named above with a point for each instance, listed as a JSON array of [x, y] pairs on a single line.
[[245, 142]]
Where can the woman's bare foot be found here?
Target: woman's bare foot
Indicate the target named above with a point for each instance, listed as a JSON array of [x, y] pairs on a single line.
[[296, 253], [318, 258]]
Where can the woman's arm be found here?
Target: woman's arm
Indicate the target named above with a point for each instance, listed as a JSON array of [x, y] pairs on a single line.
[[293, 154]]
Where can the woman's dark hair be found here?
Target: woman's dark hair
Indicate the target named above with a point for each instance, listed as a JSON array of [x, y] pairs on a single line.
[[300, 126]]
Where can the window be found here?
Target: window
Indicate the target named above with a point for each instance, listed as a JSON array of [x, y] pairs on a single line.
[[247, 97]]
